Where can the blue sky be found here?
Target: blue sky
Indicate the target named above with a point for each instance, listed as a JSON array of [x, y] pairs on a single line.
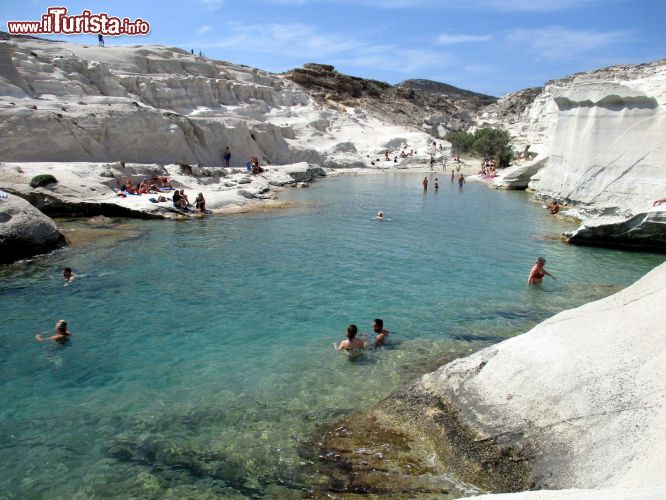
[[490, 46]]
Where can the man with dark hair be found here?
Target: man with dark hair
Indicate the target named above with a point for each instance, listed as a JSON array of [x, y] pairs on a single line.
[[380, 334]]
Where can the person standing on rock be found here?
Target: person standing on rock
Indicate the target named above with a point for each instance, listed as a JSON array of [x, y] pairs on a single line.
[[386, 155], [227, 156], [100, 40]]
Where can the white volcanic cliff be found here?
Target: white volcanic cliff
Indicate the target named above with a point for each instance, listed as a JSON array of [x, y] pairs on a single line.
[[601, 144], [61, 102]]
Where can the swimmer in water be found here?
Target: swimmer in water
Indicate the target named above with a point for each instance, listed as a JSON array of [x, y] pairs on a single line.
[[351, 343], [538, 272], [381, 335], [425, 183], [380, 215], [61, 334], [68, 274], [436, 183]]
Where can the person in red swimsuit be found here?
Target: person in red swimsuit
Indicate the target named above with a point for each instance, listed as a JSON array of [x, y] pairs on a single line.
[[538, 272]]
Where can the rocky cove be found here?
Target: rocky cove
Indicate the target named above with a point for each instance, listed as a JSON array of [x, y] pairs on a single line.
[[496, 419]]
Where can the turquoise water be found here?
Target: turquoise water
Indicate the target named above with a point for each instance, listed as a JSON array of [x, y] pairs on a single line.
[[201, 354]]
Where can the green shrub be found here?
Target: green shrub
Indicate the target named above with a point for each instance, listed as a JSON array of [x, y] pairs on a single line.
[[42, 180], [486, 142], [461, 141]]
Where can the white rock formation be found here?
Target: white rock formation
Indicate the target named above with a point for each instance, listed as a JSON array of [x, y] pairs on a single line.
[[25, 231], [600, 137], [582, 395], [61, 102]]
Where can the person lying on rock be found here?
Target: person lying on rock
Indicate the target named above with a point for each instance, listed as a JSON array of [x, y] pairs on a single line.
[[659, 202]]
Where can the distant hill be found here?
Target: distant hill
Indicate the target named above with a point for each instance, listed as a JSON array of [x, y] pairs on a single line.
[[434, 87], [434, 107]]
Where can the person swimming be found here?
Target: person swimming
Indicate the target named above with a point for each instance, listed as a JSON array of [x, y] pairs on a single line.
[[351, 343], [381, 335], [68, 274], [538, 272], [61, 334], [379, 216]]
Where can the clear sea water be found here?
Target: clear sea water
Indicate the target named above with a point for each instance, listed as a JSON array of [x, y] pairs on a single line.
[[201, 353]]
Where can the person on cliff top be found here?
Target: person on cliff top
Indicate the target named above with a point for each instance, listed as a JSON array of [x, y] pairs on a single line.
[[538, 272], [381, 335], [350, 343], [61, 334]]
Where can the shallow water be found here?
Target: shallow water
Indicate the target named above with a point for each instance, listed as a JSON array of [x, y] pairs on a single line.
[[201, 354]]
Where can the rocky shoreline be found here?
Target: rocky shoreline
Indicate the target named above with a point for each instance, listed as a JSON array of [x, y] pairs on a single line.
[[575, 403]]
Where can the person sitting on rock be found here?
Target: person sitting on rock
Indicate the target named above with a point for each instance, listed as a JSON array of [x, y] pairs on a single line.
[[553, 208], [256, 169], [178, 200], [184, 197], [61, 334], [351, 343], [200, 203]]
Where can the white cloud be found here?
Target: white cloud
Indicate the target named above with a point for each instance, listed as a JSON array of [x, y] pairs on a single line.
[[555, 42], [211, 5], [448, 39], [204, 29], [502, 5], [303, 43]]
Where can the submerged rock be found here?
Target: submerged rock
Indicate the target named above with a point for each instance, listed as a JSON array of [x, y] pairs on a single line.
[[25, 231]]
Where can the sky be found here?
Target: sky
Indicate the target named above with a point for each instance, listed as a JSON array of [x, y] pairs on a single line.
[[489, 46]]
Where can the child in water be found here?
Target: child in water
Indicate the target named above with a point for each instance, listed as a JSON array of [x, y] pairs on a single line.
[[61, 334], [351, 343]]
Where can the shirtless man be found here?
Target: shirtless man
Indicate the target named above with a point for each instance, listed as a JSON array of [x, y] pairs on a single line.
[[381, 335]]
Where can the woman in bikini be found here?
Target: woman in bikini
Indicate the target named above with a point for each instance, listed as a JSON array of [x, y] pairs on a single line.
[[351, 343], [538, 272]]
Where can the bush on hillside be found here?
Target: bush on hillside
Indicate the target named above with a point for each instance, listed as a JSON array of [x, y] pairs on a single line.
[[42, 180], [486, 142]]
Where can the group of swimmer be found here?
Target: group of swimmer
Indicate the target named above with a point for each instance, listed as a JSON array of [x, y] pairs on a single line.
[[461, 181], [351, 343]]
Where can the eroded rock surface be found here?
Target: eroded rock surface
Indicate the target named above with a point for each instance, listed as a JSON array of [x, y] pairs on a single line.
[[25, 231]]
